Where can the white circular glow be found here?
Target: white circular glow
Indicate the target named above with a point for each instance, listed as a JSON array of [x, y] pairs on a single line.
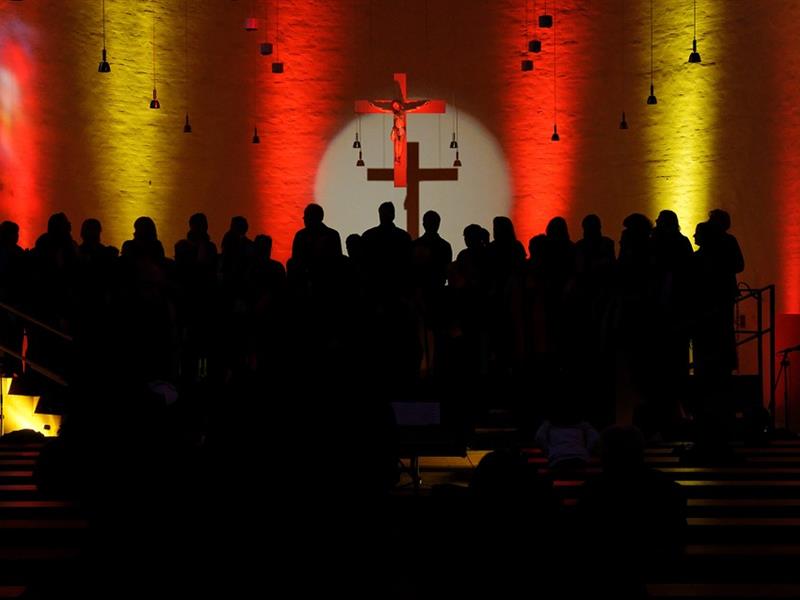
[[481, 193]]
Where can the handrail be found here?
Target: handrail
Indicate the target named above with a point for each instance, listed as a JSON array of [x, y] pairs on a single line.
[[55, 378], [37, 322], [758, 334]]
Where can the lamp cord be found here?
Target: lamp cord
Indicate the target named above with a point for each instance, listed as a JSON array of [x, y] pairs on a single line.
[[651, 42], [154, 47], [266, 22], [555, 103], [622, 57], [527, 19]]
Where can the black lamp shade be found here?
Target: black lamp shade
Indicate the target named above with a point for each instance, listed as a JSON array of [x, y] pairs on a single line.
[[104, 67]]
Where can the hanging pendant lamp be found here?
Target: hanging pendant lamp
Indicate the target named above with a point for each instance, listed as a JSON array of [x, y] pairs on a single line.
[[694, 57], [154, 103], [187, 127], [104, 67], [555, 137]]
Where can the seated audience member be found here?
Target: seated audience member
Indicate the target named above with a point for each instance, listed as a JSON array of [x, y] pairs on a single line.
[[514, 515], [634, 515], [565, 438]]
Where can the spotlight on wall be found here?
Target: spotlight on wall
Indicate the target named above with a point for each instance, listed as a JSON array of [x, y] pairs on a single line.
[[256, 139]]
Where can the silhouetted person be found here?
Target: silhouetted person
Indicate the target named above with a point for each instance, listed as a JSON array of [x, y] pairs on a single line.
[[94, 282], [594, 259], [267, 271], [634, 516], [354, 271], [432, 254], [267, 282], [734, 258], [431, 257], [469, 286], [14, 286], [565, 437], [146, 306], [316, 253], [237, 251], [388, 252], [634, 314], [196, 254], [511, 504], [91, 246], [506, 259], [506, 254], [713, 342], [595, 270], [387, 249], [559, 270], [732, 262], [560, 254], [670, 277], [51, 299], [145, 244]]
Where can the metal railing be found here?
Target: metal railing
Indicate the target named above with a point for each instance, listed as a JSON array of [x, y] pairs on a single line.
[[35, 366], [764, 327]]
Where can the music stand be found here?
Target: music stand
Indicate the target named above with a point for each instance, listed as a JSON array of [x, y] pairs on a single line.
[[424, 431]]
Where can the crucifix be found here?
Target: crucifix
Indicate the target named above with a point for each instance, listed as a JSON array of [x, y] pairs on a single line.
[[415, 176], [399, 106]]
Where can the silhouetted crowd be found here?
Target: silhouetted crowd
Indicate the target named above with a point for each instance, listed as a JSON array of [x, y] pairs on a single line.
[[574, 335], [618, 325]]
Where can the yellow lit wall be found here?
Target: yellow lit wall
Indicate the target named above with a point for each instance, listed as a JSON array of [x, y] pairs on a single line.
[[724, 133], [19, 413], [680, 131]]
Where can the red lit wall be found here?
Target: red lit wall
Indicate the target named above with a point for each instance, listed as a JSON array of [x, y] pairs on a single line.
[[725, 133]]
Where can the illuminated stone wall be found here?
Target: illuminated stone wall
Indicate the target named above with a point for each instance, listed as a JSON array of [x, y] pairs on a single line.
[[724, 133]]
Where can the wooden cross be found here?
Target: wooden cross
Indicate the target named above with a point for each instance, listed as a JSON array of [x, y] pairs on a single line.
[[415, 176], [399, 106]]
